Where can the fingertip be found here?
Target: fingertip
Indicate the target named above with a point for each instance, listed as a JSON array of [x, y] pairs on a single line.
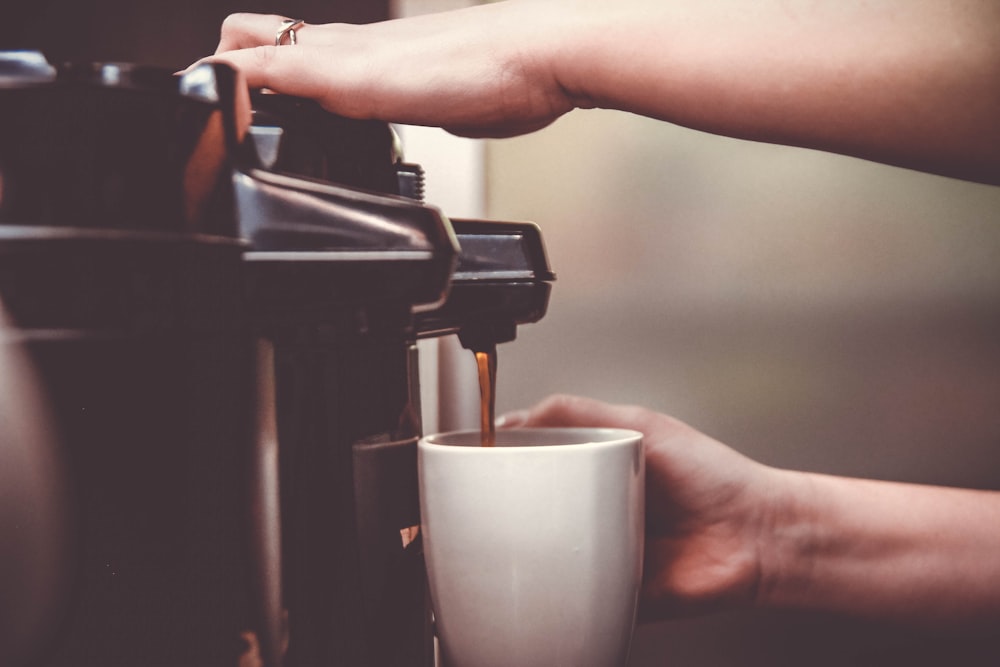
[[253, 65], [512, 419], [243, 30], [195, 65]]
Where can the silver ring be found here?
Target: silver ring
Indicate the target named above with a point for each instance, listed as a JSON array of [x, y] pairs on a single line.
[[287, 29]]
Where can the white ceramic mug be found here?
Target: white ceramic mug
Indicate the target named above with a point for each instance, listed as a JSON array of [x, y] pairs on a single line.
[[534, 546]]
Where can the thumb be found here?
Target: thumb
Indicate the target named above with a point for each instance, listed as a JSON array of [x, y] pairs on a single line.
[[512, 419]]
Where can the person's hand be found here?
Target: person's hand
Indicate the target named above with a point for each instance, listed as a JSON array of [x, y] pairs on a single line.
[[470, 71], [837, 76], [708, 508]]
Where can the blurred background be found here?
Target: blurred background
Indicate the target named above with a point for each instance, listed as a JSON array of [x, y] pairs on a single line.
[[813, 311]]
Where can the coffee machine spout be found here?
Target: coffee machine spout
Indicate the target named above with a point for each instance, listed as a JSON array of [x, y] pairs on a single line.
[[502, 280]]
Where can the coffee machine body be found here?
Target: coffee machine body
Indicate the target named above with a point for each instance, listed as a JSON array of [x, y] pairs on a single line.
[[337, 262], [121, 272], [220, 313], [364, 270]]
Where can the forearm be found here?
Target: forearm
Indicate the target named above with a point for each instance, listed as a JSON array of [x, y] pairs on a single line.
[[920, 554], [910, 82]]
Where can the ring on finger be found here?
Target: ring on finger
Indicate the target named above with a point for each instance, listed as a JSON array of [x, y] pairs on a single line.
[[287, 29]]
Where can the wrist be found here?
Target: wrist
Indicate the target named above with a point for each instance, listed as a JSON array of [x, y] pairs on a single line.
[[879, 549], [789, 542]]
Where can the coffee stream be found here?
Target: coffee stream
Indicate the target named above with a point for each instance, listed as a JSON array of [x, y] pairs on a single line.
[[486, 361]]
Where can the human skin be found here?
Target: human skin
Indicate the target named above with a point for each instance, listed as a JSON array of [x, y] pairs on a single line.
[[914, 83], [724, 532]]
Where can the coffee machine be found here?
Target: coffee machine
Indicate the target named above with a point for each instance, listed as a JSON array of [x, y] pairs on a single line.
[[213, 300]]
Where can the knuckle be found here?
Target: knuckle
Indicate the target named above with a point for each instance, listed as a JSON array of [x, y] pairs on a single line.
[[559, 406], [263, 57], [243, 29], [235, 23], [639, 414]]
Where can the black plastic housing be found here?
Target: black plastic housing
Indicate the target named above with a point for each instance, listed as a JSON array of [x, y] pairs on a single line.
[[121, 270], [220, 294], [502, 280]]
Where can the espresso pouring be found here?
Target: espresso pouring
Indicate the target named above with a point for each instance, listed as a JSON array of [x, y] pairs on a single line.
[[486, 363]]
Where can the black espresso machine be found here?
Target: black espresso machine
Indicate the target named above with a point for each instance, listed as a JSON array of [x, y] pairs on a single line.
[[210, 303]]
